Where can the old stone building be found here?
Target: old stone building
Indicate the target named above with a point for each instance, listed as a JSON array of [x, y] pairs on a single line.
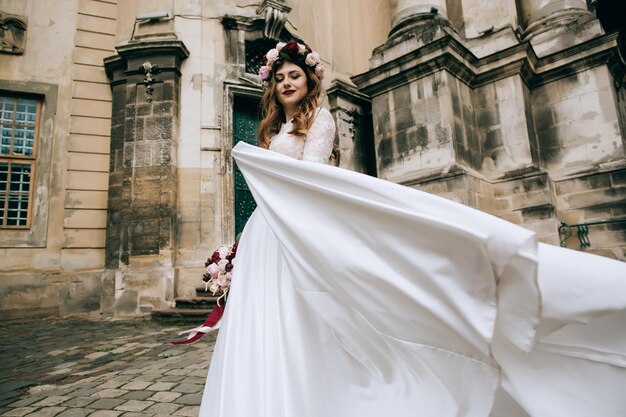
[[118, 118]]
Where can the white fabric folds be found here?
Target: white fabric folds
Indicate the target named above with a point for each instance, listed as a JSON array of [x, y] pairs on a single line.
[[353, 296]]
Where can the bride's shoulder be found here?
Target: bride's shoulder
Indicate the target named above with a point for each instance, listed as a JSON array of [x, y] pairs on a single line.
[[322, 112], [322, 115]]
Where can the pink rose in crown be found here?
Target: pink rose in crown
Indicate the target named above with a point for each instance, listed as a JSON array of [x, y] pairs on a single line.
[[280, 45], [312, 59], [271, 55], [319, 71], [264, 73]]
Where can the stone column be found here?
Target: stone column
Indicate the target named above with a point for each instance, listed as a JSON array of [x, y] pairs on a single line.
[[534, 10], [542, 14], [141, 229], [407, 12]]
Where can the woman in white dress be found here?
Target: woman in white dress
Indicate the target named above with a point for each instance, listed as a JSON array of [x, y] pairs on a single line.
[[356, 297]]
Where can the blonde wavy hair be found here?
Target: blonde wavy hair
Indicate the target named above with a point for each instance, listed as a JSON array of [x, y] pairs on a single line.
[[272, 110]]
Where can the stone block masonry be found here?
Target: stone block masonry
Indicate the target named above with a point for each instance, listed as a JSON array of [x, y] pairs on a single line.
[[141, 229]]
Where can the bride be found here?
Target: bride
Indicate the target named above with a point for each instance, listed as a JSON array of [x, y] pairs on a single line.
[[356, 297]]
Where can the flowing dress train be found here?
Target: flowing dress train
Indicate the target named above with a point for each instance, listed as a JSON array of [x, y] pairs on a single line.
[[353, 296]]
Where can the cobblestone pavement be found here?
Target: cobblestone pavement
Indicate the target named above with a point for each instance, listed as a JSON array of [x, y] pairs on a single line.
[[78, 367]]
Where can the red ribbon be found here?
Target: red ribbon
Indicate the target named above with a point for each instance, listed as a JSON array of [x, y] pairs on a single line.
[[214, 317]]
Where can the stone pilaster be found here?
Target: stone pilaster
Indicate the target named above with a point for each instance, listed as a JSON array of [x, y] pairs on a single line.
[[353, 114], [141, 230]]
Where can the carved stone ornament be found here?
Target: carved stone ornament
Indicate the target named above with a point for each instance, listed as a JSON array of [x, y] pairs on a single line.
[[12, 33], [149, 70], [275, 14]]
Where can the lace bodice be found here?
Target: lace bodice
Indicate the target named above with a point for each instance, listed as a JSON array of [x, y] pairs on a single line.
[[316, 146]]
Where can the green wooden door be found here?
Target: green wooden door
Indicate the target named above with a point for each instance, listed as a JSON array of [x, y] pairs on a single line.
[[246, 116]]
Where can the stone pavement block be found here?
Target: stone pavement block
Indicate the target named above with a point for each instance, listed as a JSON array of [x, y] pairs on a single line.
[[201, 365], [79, 401], [41, 388], [111, 384], [171, 378], [85, 392], [26, 401], [19, 412], [14, 385], [76, 412], [49, 401], [123, 378], [46, 412], [162, 408], [161, 386], [188, 388], [165, 396], [188, 411], [105, 413], [136, 385], [152, 372], [177, 372], [109, 393], [195, 380], [134, 405], [136, 415], [106, 403], [131, 372], [96, 355], [189, 399], [137, 395], [9, 397]]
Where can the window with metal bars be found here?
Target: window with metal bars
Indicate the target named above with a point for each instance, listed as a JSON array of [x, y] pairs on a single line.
[[255, 49], [19, 120]]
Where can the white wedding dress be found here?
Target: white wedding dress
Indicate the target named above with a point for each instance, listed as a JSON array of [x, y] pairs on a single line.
[[357, 297]]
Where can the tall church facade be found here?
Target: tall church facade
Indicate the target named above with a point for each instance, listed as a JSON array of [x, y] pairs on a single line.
[[118, 119]]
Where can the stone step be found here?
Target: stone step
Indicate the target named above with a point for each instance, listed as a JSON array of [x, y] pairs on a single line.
[[196, 302], [201, 293], [187, 316]]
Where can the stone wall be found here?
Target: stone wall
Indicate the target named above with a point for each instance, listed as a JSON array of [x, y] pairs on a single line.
[[528, 127]]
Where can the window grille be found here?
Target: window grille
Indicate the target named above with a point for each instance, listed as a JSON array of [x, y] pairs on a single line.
[[255, 50], [19, 118]]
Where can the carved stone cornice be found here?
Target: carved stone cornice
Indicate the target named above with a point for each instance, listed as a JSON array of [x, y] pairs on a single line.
[[448, 53], [275, 13], [131, 56]]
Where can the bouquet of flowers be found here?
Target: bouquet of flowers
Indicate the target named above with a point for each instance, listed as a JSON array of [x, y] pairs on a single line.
[[219, 269]]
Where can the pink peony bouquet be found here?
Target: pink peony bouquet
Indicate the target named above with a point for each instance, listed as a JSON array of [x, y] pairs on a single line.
[[219, 269]]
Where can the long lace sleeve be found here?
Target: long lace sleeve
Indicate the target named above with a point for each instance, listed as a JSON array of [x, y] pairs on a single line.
[[319, 141]]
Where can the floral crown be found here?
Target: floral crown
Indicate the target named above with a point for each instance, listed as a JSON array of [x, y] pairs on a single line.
[[294, 52]]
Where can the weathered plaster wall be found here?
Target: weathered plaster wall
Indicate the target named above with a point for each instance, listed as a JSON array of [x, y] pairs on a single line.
[[64, 275]]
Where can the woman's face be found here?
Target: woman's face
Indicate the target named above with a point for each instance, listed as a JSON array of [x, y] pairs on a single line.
[[291, 85]]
